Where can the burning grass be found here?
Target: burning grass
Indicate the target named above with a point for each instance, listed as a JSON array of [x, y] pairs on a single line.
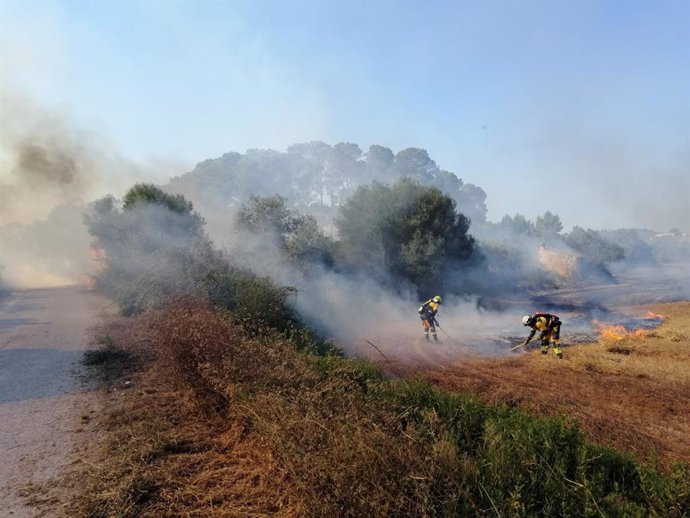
[[629, 390], [617, 332], [227, 421]]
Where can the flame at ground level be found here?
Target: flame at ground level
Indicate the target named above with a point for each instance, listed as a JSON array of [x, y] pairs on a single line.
[[614, 333]]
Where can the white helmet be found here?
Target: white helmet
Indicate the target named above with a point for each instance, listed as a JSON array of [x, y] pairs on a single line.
[[526, 320]]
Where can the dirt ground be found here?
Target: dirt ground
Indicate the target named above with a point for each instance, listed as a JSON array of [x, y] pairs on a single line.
[[47, 412]]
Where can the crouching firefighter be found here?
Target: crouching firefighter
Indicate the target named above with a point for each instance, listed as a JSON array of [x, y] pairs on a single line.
[[550, 328], [427, 313]]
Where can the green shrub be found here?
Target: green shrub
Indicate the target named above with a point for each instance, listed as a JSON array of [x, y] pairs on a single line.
[[252, 299]]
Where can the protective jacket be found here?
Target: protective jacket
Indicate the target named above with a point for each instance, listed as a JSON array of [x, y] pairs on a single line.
[[549, 325], [427, 313], [428, 310]]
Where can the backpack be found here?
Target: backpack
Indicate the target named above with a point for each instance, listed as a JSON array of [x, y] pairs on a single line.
[[541, 314], [551, 320]]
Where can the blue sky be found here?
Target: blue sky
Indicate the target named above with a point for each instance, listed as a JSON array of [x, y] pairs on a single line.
[[579, 107]]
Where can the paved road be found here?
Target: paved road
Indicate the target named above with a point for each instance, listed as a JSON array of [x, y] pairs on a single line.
[[43, 334]]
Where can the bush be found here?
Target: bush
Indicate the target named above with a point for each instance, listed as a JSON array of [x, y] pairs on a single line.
[[251, 299], [593, 246], [408, 231], [156, 252]]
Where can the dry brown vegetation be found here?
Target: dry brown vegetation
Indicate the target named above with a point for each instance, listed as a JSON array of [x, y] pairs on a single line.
[[170, 450], [229, 421], [225, 425], [632, 393]]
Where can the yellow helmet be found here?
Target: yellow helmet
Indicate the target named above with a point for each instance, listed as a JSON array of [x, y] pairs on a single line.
[[437, 299]]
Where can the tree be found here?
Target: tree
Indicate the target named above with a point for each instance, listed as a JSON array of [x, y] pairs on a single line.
[[635, 249], [343, 171], [548, 226], [299, 236], [593, 246], [154, 247], [409, 231], [266, 214], [314, 176], [517, 224], [447, 182], [471, 202], [213, 182], [379, 161], [414, 163], [153, 219], [264, 172], [147, 193]]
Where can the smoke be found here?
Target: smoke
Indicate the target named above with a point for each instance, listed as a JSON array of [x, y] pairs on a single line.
[[365, 313], [49, 169], [521, 273], [626, 176], [47, 161], [367, 319]]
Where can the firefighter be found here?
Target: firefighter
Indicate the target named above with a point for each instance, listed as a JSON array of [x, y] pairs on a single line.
[[427, 313], [550, 328]]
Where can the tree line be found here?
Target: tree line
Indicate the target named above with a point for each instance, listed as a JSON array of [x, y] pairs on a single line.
[[315, 176], [404, 234]]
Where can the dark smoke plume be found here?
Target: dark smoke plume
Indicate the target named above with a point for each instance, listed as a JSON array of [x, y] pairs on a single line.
[[49, 169]]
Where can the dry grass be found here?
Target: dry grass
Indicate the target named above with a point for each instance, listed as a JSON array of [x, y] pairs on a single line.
[[631, 393], [225, 422], [169, 453], [342, 450], [220, 424]]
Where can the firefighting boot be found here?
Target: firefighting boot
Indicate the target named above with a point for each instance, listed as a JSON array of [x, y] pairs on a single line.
[[544, 349], [426, 335], [435, 338], [557, 351]]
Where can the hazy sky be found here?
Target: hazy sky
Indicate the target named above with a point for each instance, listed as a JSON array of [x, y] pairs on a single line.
[[580, 107]]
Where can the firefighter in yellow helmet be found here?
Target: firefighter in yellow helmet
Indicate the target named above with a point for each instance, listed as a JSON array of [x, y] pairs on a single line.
[[550, 327], [427, 313]]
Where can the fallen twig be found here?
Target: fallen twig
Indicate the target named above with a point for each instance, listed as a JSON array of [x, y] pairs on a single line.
[[379, 350]]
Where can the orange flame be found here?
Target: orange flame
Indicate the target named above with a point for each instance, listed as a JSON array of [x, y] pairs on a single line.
[[656, 316], [99, 257], [87, 281], [616, 333]]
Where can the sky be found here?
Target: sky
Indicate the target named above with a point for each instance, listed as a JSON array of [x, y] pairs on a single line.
[[574, 106]]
